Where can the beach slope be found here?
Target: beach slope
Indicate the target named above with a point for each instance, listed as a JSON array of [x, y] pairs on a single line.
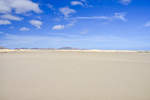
[[74, 75]]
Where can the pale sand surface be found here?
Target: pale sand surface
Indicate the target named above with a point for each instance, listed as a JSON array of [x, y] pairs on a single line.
[[74, 75]]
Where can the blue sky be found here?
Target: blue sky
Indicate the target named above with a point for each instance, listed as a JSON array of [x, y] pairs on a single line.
[[88, 24]]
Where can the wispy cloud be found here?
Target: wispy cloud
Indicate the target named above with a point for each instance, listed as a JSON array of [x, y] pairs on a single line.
[[120, 16], [24, 29], [11, 17], [60, 26], [36, 23], [86, 3], [51, 6], [71, 23], [66, 11], [75, 3], [92, 17], [73, 20], [4, 22], [125, 2]]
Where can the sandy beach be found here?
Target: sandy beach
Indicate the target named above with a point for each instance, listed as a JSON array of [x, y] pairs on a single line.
[[74, 75]]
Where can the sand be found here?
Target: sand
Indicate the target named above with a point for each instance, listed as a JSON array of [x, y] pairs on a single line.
[[74, 75]]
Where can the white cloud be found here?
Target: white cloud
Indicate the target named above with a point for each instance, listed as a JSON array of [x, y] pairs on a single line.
[[36, 23], [24, 29], [11, 17], [19, 6], [4, 22], [93, 17], [4, 6], [66, 11], [74, 3], [58, 27], [147, 24], [125, 2], [120, 16]]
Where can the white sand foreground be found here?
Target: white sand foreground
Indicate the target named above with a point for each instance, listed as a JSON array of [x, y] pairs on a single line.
[[74, 75]]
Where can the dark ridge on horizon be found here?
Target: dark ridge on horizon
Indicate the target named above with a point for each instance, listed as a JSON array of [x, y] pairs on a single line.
[[68, 48], [61, 48], [72, 48], [1, 47]]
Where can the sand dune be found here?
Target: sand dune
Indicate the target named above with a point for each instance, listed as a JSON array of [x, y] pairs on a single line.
[[74, 75]]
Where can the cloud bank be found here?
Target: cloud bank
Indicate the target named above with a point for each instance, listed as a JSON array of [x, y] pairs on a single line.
[[19, 6]]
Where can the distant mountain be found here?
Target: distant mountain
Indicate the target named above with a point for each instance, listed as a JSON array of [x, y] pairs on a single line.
[[44, 48], [38, 48], [67, 48], [2, 47]]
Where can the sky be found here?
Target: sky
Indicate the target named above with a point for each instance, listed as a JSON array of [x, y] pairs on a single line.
[[85, 24]]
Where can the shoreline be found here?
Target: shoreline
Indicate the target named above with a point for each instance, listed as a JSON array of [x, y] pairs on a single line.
[[74, 75], [92, 50]]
